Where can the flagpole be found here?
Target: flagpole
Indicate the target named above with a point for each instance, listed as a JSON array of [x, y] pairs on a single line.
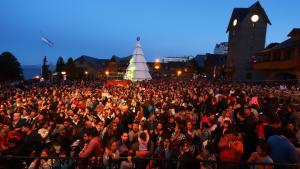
[[41, 51]]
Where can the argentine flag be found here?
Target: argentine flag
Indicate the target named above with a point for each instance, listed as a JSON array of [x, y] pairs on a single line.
[[47, 41]]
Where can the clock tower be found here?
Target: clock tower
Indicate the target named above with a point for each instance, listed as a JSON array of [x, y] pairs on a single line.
[[247, 35]]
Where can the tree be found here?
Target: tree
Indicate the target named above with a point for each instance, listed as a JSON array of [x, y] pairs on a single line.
[[60, 65], [71, 69], [46, 73], [10, 68]]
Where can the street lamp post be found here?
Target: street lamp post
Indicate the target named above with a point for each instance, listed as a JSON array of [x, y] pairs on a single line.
[[157, 66], [64, 75]]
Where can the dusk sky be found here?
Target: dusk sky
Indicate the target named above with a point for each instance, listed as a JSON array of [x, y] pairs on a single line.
[[102, 28]]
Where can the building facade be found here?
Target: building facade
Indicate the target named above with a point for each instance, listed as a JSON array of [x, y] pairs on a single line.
[[281, 62], [247, 34], [212, 65], [93, 66], [177, 59], [221, 48]]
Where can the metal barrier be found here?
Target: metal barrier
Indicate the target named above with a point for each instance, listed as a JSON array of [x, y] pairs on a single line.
[[19, 162]]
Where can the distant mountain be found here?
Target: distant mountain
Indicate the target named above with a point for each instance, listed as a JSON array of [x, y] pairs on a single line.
[[30, 71]]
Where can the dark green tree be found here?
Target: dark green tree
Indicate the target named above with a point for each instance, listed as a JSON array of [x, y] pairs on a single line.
[[10, 68], [46, 73], [71, 69], [60, 65]]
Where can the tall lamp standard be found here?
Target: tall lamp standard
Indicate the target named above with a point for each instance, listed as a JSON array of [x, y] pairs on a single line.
[[157, 66]]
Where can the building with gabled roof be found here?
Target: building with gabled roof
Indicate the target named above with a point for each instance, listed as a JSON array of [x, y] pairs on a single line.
[[93, 66], [247, 35], [282, 61]]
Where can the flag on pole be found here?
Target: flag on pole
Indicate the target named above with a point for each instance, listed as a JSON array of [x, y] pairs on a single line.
[[47, 41]]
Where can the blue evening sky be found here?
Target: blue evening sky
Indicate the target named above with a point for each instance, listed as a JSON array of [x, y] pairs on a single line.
[[102, 28]]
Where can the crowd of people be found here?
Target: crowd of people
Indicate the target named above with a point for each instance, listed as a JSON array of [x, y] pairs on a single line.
[[165, 123]]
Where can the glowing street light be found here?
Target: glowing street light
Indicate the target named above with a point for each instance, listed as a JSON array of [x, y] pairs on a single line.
[[64, 75], [107, 73], [157, 64], [37, 77], [86, 72], [179, 72]]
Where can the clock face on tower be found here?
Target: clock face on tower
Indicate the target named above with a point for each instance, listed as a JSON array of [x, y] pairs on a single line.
[[254, 18], [234, 22]]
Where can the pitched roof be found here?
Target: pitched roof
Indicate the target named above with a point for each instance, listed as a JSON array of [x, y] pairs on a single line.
[[294, 32], [241, 13], [91, 59], [285, 44], [258, 5]]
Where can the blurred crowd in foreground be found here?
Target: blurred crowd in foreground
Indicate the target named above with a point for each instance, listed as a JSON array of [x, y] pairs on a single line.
[[182, 122]]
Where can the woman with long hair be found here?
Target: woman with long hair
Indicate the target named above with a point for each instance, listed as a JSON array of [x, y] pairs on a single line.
[[42, 162]]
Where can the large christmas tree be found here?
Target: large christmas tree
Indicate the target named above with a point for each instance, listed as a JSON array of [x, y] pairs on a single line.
[[137, 69]]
